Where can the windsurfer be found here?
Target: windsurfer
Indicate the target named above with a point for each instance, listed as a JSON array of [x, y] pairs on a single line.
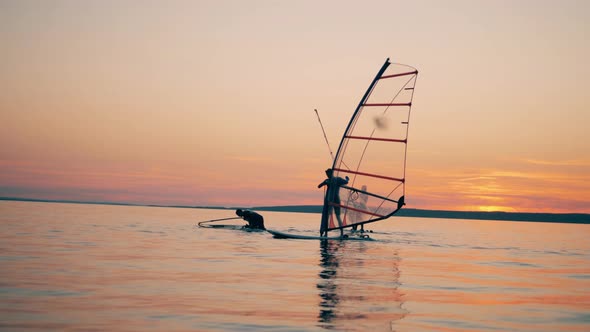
[[332, 199], [255, 220]]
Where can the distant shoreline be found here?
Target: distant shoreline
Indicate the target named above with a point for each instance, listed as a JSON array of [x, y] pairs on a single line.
[[571, 218]]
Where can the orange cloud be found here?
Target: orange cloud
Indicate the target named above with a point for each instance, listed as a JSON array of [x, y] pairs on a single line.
[[558, 162], [520, 186]]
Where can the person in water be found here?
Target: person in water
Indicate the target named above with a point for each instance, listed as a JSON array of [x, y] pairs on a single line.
[[332, 199], [255, 220]]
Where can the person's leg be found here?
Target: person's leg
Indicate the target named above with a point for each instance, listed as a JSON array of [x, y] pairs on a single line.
[[337, 212], [325, 216]]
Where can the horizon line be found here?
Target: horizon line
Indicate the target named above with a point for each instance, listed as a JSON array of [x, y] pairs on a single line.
[[43, 200]]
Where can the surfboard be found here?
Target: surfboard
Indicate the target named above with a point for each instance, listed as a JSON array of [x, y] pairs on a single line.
[[346, 237]]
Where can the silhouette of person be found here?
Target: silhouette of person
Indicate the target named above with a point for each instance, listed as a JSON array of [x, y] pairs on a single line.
[[361, 204], [332, 197], [255, 220]]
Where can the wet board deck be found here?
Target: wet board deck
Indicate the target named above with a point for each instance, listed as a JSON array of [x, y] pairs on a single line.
[[281, 235]]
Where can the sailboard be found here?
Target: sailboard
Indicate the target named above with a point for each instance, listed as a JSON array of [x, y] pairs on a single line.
[[351, 237], [371, 155]]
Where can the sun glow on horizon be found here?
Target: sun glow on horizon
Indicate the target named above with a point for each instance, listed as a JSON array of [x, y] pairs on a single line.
[[492, 208]]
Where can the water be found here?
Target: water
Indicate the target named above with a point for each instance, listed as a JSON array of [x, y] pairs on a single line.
[[75, 267]]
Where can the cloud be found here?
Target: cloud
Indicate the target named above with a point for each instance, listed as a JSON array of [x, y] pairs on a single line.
[[574, 162]]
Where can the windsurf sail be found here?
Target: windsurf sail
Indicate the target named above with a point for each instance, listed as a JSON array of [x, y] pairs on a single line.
[[372, 152]]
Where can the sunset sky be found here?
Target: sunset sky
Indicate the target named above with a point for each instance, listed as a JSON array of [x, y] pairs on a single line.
[[211, 102]]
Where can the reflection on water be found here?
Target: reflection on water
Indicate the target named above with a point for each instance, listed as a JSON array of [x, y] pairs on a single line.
[[351, 294], [326, 285], [76, 267]]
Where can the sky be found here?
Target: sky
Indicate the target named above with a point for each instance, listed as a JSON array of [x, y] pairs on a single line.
[[211, 102]]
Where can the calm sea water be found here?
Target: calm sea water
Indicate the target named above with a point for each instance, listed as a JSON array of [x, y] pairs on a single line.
[[75, 267]]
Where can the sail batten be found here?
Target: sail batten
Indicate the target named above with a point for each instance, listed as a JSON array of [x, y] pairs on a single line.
[[389, 104], [373, 150], [369, 174], [400, 74], [378, 139]]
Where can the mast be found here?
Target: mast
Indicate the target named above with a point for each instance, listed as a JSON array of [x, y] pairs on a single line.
[[371, 86]]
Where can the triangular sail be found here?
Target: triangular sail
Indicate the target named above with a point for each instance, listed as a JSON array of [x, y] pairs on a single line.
[[372, 152]]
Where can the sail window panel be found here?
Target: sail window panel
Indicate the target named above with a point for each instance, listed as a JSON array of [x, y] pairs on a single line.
[[381, 159], [358, 207], [377, 189], [381, 122], [396, 90], [373, 176], [398, 94]]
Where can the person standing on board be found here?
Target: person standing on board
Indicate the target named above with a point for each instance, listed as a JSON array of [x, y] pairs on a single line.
[[255, 220], [331, 200], [361, 204]]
